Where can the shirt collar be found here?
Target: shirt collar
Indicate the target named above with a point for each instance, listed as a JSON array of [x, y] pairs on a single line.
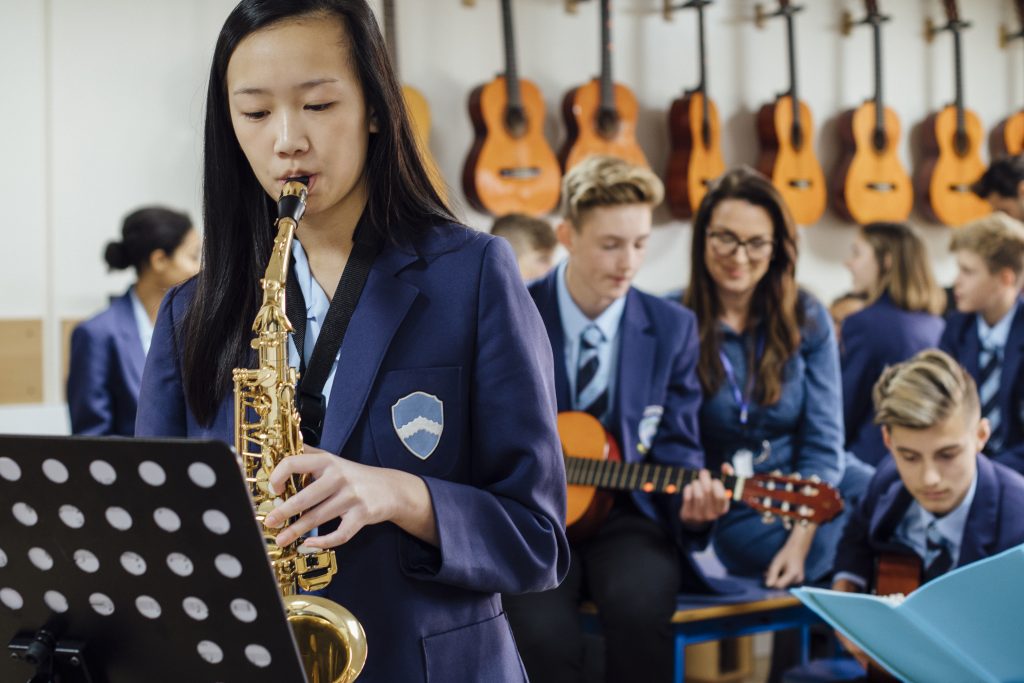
[[995, 336], [313, 294], [142, 321], [574, 321]]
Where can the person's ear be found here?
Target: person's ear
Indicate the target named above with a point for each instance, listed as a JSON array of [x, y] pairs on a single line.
[[565, 232], [1008, 278], [159, 260], [1020, 189], [887, 438], [984, 432]]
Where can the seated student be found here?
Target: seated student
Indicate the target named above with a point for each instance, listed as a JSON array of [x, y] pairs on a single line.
[[935, 497], [109, 350], [986, 334], [843, 306], [532, 240], [1002, 186], [628, 358], [769, 367], [889, 264]]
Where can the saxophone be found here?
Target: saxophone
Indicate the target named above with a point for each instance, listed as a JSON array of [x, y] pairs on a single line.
[[330, 639]]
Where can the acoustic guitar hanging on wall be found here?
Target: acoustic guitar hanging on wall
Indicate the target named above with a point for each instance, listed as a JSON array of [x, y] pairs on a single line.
[[871, 184], [510, 168], [695, 132], [601, 115], [952, 145], [786, 132], [1008, 137]]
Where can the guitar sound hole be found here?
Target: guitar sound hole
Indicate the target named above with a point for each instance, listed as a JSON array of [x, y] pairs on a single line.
[[961, 144], [882, 187], [608, 123], [520, 172], [515, 122]]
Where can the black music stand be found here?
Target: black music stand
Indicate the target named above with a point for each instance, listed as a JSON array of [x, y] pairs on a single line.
[[134, 560]]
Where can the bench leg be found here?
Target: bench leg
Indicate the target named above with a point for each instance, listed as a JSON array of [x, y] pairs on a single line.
[[679, 674]]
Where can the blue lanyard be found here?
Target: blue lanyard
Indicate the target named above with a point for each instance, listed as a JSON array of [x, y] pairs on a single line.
[[742, 398]]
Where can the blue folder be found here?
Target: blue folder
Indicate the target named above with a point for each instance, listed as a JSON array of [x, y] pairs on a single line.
[[965, 626]]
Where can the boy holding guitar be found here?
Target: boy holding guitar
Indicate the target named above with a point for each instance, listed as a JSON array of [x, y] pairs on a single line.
[[937, 502], [627, 358]]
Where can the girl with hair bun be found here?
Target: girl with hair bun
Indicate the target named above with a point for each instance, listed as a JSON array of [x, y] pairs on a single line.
[[109, 350]]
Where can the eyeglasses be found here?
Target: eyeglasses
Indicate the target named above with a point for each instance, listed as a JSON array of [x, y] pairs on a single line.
[[724, 243]]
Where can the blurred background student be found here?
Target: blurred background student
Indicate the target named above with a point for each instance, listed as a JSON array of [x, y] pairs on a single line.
[[890, 267], [109, 350], [533, 241]]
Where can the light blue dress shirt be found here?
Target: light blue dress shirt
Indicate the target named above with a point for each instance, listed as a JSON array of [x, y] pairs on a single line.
[[317, 304], [995, 336], [574, 321], [142, 320]]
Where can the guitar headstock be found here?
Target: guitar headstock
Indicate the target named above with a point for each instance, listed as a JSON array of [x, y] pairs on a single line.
[[872, 8], [952, 13], [1020, 13], [808, 501]]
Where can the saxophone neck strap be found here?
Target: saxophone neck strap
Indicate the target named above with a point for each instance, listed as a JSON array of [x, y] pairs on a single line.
[[309, 397]]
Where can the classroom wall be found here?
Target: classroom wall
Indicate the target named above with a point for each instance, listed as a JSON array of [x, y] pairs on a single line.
[[104, 106]]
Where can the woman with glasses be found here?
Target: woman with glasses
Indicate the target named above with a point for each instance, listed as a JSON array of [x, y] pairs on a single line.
[[889, 265], [769, 367]]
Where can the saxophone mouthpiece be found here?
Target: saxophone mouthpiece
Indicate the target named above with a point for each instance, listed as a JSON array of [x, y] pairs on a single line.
[[292, 203]]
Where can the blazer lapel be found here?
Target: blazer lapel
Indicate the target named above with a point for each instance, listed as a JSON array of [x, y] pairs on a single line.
[[636, 365], [1011, 363], [383, 305], [972, 345], [128, 341], [983, 517], [547, 304], [892, 506]]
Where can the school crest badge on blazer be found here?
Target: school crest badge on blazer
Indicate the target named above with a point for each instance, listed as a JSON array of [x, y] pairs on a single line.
[[419, 420], [648, 428]]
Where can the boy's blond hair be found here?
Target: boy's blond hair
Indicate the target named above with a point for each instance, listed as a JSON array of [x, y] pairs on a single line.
[[924, 391], [608, 181], [997, 238], [526, 233]]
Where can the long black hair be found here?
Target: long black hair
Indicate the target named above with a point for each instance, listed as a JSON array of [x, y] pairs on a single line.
[[145, 230], [401, 201]]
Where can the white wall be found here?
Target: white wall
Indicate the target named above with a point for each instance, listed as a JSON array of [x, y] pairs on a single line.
[[103, 104]]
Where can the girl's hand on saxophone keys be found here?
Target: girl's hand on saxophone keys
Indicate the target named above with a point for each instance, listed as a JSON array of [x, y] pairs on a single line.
[[357, 494]]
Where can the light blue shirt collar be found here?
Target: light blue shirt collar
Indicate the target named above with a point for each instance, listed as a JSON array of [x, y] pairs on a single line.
[[913, 530], [317, 305], [995, 336], [574, 321], [142, 321]]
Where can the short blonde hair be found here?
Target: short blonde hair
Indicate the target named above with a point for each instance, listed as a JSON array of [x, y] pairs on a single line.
[[608, 181], [997, 238], [924, 391]]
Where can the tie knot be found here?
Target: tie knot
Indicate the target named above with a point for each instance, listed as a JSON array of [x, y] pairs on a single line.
[[934, 537], [592, 337]]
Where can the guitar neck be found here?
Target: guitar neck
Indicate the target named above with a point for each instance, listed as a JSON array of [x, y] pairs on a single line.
[[389, 34], [702, 87], [794, 93], [958, 67], [876, 26], [515, 97], [637, 476], [607, 84]]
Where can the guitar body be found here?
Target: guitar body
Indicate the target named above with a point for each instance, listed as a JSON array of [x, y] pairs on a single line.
[[507, 173], [692, 164], [583, 437], [580, 110], [419, 116], [946, 175], [795, 171], [1008, 137], [871, 184]]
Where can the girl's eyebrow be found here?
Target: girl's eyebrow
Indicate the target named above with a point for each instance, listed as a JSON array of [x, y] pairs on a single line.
[[301, 86]]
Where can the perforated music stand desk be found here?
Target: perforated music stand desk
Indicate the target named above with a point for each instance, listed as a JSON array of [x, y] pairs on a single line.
[[147, 554]]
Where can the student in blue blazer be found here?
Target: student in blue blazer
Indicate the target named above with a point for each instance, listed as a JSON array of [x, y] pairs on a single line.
[[628, 359], [986, 334], [889, 264], [109, 350], [935, 498], [438, 477]]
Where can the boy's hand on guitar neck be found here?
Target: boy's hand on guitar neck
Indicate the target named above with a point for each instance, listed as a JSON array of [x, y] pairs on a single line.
[[704, 500]]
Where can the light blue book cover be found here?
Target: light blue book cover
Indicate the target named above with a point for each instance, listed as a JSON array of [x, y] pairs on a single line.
[[965, 626]]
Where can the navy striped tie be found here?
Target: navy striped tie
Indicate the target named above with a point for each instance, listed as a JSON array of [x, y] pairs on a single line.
[[591, 390], [988, 391], [938, 550]]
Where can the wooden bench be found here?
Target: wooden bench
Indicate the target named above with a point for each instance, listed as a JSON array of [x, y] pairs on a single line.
[[705, 618]]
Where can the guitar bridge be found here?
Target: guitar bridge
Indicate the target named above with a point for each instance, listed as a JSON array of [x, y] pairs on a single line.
[[520, 172], [882, 187], [800, 183]]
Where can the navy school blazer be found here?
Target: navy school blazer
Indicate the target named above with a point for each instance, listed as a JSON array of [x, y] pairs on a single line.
[[657, 378], [960, 340], [995, 521], [880, 335], [105, 371], [452, 320]]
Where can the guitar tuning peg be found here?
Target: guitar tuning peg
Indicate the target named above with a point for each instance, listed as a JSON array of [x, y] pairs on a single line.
[[759, 15], [815, 478], [804, 522], [794, 475], [846, 24], [767, 518], [787, 523], [776, 473]]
